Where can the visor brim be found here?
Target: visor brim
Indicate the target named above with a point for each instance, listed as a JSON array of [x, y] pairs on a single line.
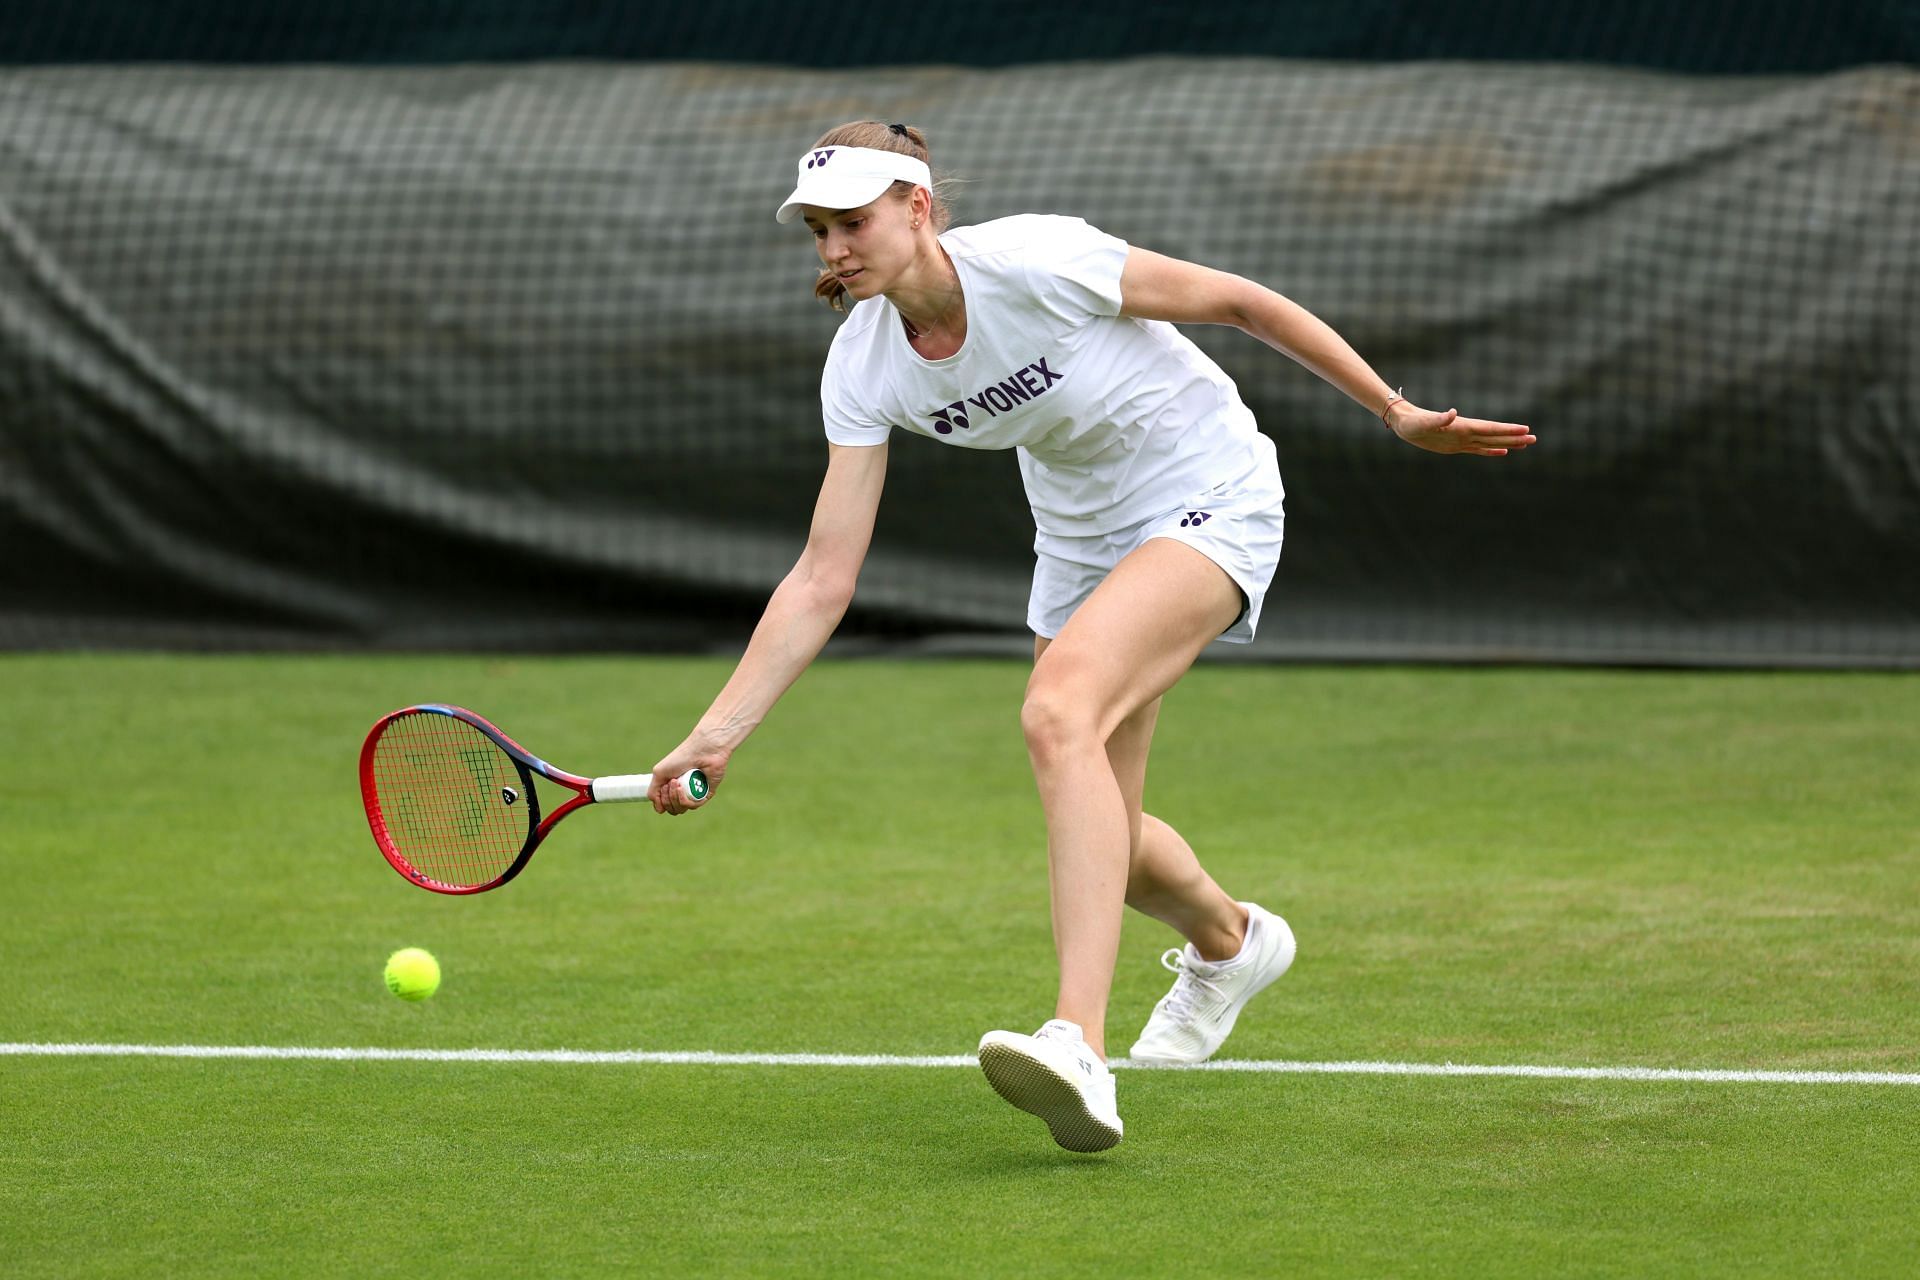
[[833, 192]]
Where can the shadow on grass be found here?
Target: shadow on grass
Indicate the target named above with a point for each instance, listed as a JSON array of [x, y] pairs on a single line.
[[1037, 1162]]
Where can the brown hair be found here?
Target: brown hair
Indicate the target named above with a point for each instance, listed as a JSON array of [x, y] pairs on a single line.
[[876, 136]]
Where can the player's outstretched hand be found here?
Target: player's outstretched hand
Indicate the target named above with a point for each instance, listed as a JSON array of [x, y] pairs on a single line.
[[1450, 433], [667, 794]]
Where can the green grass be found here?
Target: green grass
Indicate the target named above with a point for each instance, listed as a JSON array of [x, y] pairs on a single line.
[[1582, 868]]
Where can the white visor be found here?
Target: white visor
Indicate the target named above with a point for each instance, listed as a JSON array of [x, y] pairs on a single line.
[[848, 177]]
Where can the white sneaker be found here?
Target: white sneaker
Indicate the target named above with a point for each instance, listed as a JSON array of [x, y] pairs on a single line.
[[1054, 1074], [1192, 1020]]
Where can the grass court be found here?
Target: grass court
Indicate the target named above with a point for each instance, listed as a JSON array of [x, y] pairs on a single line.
[[1545, 867]]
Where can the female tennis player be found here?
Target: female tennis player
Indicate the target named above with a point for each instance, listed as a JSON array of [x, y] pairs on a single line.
[[1157, 505]]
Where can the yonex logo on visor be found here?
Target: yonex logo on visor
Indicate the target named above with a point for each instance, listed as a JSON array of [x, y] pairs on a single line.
[[858, 176]]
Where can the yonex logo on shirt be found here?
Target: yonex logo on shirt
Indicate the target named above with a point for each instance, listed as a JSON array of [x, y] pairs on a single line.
[[820, 158], [945, 420], [1196, 518], [1023, 385]]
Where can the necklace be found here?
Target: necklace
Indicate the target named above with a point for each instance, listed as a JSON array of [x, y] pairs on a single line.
[[946, 305]]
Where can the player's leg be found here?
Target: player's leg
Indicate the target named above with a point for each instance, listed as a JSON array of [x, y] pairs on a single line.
[[1234, 950], [1131, 639], [1126, 645], [1169, 884], [1164, 877]]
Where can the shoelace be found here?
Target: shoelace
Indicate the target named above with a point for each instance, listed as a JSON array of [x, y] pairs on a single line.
[[1182, 1001]]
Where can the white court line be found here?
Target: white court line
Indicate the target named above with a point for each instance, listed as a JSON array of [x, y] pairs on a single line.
[[624, 1057]]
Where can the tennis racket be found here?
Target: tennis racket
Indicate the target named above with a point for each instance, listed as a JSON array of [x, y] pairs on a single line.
[[452, 803]]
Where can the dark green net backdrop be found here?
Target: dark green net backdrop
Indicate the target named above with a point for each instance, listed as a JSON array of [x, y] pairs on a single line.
[[514, 356], [1707, 36]]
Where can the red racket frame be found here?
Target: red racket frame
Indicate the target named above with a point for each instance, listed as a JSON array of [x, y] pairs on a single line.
[[523, 758]]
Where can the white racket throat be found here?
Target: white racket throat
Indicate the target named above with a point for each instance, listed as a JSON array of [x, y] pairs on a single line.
[[618, 787]]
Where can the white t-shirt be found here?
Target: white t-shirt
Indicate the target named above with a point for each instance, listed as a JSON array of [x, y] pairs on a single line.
[[1114, 419]]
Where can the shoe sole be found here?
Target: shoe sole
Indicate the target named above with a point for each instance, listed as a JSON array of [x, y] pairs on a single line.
[[1233, 1013], [1038, 1089]]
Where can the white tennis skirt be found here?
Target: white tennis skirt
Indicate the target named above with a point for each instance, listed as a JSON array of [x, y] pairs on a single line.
[[1237, 524]]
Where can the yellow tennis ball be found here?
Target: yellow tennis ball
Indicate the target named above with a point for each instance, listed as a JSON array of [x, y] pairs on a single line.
[[412, 974]]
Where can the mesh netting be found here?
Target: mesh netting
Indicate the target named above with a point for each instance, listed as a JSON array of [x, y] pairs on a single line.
[[517, 357]]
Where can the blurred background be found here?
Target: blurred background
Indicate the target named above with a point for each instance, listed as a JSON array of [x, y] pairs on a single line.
[[468, 325]]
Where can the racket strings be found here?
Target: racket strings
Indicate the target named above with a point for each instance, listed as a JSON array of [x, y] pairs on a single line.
[[450, 800]]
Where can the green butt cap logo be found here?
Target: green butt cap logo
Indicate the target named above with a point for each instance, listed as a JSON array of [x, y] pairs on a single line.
[[697, 785]]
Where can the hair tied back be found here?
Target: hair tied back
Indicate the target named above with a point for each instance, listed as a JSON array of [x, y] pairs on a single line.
[[899, 129]]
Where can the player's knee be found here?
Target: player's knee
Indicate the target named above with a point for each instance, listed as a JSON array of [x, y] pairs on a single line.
[[1055, 724]]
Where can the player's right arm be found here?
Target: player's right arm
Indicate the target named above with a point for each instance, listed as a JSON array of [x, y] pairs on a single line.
[[805, 608]]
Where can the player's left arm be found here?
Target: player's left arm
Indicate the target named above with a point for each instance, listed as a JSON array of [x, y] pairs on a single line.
[[1156, 287]]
